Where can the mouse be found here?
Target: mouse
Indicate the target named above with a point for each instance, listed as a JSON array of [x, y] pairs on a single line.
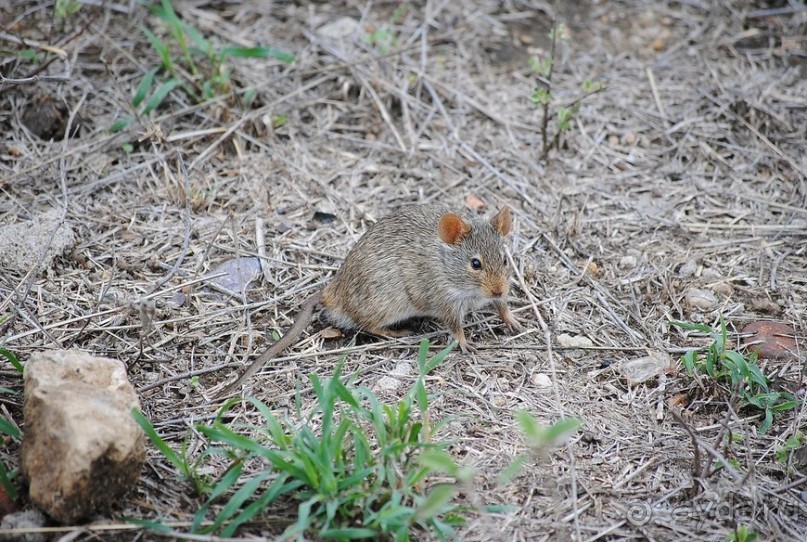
[[421, 261]]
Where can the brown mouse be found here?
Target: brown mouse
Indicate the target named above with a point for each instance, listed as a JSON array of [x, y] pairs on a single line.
[[420, 261]]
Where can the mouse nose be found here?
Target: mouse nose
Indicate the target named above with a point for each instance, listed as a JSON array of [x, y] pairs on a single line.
[[497, 291]]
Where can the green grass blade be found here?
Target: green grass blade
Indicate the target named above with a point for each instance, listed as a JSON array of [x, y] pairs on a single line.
[[273, 427], [512, 470], [168, 452], [354, 533], [143, 87], [5, 482], [258, 52], [245, 492], [120, 125], [223, 434], [438, 461], [692, 327], [690, 359], [9, 355], [159, 95], [439, 357], [155, 526], [162, 49], [346, 395], [529, 426], [204, 46], [561, 429], [421, 396], [227, 481], [766, 423], [278, 488], [8, 428], [438, 498]]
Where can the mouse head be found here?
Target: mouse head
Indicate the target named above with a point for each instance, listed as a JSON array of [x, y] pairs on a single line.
[[478, 262]]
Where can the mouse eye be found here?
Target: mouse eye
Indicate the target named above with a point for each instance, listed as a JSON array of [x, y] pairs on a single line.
[[476, 264]]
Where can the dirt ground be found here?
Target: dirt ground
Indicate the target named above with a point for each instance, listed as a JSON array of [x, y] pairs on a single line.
[[687, 171]]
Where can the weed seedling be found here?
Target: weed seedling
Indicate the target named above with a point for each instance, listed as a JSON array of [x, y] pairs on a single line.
[[793, 443], [384, 38], [740, 373], [542, 96], [356, 467], [190, 62], [538, 439], [9, 429], [743, 534]]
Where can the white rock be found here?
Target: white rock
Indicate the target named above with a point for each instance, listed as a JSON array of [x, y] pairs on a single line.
[[700, 299], [390, 382], [23, 244], [541, 380], [627, 262], [339, 29], [643, 369], [574, 341], [688, 268], [27, 519], [82, 450]]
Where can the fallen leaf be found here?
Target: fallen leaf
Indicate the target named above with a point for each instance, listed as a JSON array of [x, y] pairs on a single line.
[[770, 339]]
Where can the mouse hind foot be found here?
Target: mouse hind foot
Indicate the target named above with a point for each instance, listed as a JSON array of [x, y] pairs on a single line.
[[388, 331]]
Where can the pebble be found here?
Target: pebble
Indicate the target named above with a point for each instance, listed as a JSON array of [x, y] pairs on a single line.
[[541, 380], [700, 299], [574, 341], [688, 268]]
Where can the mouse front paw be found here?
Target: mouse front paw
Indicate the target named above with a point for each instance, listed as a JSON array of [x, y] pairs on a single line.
[[467, 348], [511, 321]]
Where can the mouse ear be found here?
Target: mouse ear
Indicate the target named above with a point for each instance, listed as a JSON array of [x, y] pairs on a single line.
[[452, 228], [502, 221]]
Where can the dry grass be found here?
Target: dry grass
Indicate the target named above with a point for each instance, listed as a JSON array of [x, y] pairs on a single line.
[[692, 165]]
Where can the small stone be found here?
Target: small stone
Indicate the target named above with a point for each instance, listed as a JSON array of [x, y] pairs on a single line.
[[82, 449], [390, 382], [27, 519], [541, 380], [574, 341], [723, 288], [627, 262], [24, 244], [236, 274], [700, 299], [710, 273], [643, 369], [688, 268], [630, 138], [339, 29]]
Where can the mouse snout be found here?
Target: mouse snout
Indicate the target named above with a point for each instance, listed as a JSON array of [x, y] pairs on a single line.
[[497, 289]]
